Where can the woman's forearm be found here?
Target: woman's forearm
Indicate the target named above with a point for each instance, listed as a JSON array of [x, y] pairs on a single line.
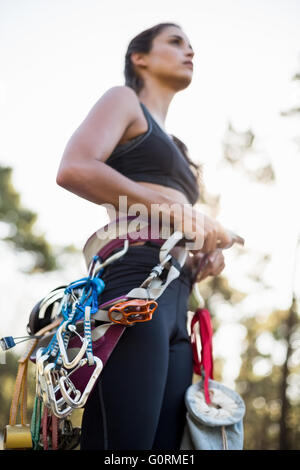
[[101, 184]]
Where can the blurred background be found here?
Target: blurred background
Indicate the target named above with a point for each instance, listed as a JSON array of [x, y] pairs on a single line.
[[239, 118]]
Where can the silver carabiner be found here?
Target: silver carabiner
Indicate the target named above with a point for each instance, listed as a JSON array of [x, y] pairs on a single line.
[[57, 405], [113, 257], [70, 364], [79, 403], [155, 272], [41, 385], [40, 358]]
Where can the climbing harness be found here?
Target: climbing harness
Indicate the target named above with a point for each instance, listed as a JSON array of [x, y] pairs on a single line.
[[72, 334]]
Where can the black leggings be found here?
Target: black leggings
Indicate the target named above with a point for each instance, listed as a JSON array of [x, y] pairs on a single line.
[[138, 402]]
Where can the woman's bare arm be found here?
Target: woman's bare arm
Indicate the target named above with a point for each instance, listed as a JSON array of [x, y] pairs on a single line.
[[83, 170]]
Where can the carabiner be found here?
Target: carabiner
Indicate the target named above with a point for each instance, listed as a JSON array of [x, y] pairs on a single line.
[[70, 364], [56, 404], [156, 272], [113, 257], [79, 403], [66, 394], [41, 384], [131, 311]]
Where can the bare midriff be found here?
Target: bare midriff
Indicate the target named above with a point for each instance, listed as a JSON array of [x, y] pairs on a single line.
[[175, 195]]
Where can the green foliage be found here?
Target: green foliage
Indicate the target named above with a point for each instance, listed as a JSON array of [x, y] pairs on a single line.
[[272, 398], [240, 154], [294, 111], [268, 379], [20, 224], [271, 419]]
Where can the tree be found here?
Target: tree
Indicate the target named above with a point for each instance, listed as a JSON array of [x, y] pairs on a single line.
[[19, 223], [272, 401]]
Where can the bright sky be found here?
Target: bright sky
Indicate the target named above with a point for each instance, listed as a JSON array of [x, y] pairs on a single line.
[[58, 57]]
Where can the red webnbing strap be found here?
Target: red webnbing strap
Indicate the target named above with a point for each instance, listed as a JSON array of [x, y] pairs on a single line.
[[202, 316]]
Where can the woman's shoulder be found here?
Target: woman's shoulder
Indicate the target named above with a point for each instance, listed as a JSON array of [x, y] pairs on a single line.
[[119, 103], [121, 94]]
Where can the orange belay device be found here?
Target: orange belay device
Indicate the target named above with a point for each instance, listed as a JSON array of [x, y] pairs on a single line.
[[72, 334], [132, 311]]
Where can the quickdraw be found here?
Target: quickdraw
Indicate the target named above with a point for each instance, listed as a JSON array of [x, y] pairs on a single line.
[[72, 349]]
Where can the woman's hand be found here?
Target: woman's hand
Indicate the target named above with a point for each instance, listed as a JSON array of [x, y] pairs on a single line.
[[213, 266], [205, 233]]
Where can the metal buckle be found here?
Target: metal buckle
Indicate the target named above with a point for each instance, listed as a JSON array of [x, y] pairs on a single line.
[[132, 311]]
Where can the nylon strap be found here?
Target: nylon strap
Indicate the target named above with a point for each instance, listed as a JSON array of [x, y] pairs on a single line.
[[36, 422], [45, 428], [20, 388], [49, 422], [205, 365]]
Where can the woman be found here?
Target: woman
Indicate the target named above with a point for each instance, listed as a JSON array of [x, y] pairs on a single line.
[[122, 148]]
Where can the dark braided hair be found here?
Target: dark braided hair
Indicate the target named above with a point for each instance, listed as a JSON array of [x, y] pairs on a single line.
[[143, 43]]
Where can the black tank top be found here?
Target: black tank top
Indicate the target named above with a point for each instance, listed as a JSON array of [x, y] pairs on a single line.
[[154, 157]]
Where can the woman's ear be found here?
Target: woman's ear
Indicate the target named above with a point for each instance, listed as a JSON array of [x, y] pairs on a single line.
[[138, 59]]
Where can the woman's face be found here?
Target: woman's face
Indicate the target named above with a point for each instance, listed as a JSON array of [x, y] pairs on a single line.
[[166, 60]]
